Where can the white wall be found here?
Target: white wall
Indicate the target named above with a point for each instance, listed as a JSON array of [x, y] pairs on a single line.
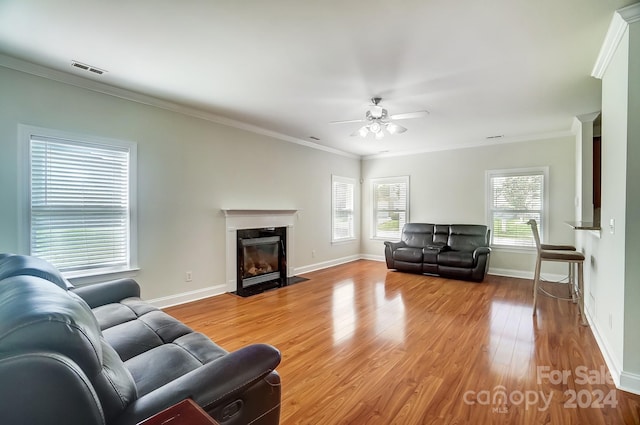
[[449, 187], [612, 276], [631, 374], [607, 254], [188, 169]]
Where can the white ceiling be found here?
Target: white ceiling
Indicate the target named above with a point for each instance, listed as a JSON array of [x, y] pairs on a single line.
[[517, 68]]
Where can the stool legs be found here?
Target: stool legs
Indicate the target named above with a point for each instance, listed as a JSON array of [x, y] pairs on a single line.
[[572, 283], [536, 281], [576, 288], [583, 318]]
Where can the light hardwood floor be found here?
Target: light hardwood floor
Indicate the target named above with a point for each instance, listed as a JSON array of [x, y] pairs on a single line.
[[363, 345]]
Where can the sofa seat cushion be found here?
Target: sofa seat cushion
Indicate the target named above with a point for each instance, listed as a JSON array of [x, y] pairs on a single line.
[[128, 309], [165, 363], [456, 259], [150, 330], [410, 255]]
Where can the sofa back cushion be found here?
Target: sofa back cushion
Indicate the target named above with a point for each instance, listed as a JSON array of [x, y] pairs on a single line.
[[467, 237], [36, 315], [441, 234], [24, 265], [417, 235]]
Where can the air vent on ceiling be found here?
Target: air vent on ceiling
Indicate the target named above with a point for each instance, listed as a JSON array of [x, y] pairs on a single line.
[[88, 68]]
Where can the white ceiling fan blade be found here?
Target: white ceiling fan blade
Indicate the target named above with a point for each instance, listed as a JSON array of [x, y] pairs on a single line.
[[394, 128], [345, 121], [400, 129], [410, 115]]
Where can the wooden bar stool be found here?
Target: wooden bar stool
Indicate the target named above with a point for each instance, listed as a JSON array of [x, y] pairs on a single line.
[[559, 253]]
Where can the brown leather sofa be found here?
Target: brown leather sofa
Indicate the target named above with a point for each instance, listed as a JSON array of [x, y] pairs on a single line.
[[459, 251], [100, 355]]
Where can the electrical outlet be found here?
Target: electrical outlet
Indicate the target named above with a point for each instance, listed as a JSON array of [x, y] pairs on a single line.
[[188, 277], [313, 253], [610, 321], [612, 226]]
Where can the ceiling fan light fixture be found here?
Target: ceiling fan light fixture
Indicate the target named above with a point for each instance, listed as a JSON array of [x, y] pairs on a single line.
[[378, 121], [376, 111]]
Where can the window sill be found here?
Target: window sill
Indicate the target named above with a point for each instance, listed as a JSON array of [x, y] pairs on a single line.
[[514, 249], [343, 241], [87, 277], [384, 239]]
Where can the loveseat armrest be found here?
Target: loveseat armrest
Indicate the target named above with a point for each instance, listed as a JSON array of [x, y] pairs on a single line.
[[223, 378], [394, 245], [109, 292], [389, 247], [481, 250]]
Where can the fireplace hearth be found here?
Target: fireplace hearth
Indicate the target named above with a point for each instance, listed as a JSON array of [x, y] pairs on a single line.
[[261, 259]]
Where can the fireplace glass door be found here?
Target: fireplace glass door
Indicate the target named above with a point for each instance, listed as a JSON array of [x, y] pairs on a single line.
[[260, 260]]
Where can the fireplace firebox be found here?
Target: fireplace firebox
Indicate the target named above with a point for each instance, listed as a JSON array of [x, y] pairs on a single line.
[[261, 259]]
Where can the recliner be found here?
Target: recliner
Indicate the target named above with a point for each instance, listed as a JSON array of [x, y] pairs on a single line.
[[459, 251], [100, 355]]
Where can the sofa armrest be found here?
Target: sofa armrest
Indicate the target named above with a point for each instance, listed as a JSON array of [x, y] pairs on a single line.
[[108, 292], [481, 250], [224, 377], [394, 245], [389, 247], [46, 388]]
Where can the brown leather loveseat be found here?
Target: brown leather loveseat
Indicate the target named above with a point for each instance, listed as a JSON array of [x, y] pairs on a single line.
[[459, 251]]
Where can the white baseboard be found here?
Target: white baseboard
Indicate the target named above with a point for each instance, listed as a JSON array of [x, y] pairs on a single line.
[[611, 361], [189, 296], [510, 273], [373, 257], [524, 274], [630, 382], [325, 264]]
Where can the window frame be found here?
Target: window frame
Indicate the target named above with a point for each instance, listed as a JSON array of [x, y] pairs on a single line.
[[349, 181], [544, 211], [374, 211], [25, 135]]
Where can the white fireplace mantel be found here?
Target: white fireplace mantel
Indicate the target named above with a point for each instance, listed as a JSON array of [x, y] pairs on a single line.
[[238, 219], [253, 212]]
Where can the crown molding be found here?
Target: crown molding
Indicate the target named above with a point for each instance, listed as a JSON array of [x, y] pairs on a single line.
[[582, 119], [99, 87], [619, 24], [478, 144]]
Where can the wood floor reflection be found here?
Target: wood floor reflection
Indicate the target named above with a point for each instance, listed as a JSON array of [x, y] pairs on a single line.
[[361, 345]]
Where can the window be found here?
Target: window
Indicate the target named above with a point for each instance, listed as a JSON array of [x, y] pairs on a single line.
[[515, 197], [390, 206], [80, 197], [342, 223]]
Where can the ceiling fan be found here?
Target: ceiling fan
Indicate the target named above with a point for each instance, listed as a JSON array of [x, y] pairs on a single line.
[[380, 122]]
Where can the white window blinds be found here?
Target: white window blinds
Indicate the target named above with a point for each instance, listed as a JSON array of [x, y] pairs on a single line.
[[515, 198], [390, 207], [79, 204], [342, 200]]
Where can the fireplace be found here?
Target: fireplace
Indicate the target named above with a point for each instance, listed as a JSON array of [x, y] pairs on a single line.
[[261, 259], [258, 219]]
